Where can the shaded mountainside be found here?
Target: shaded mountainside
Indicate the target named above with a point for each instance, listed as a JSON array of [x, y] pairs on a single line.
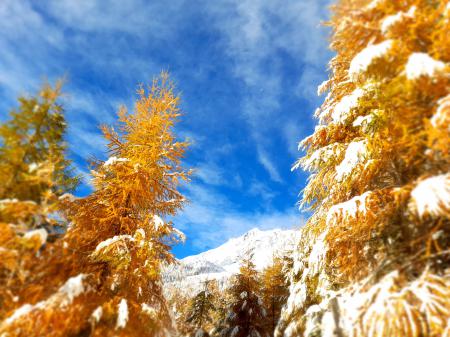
[[222, 262]]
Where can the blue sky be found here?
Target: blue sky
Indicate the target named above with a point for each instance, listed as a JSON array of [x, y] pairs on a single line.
[[247, 71]]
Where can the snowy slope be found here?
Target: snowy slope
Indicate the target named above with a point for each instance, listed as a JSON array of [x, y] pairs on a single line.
[[222, 262]]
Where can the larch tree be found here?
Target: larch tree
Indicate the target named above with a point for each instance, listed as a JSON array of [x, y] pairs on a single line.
[[34, 174], [374, 258], [274, 292], [246, 313], [103, 278], [201, 308], [178, 301]]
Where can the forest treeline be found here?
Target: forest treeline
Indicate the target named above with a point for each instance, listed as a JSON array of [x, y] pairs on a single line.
[[373, 259], [249, 304]]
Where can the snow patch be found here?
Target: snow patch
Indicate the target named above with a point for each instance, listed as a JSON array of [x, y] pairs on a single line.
[[72, 288], [392, 20], [32, 167], [354, 154], [319, 156], [365, 58], [122, 317], [374, 4], [140, 232], [62, 298], [317, 255], [421, 64], [157, 221], [97, 314], [114, 160], [432, 196], [113, 240], [41, 233], [362, 120], [352, 207], [22, 311], [347, 103], [8, 201]]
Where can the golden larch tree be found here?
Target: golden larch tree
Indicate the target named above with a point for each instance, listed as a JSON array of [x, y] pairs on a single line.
[[103, 278], [34, 174], [274, 291], [374, 257]]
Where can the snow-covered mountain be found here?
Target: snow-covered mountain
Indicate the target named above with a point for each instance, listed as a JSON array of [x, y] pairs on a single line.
[[222, 262]]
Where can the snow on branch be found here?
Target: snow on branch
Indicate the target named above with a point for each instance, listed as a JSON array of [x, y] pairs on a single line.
[[72, 288], [157, 221], [421, 64], [345, 105], [114, 160], [97, 314], [40, 233], [351, 208], [365, 58], [432, 196], [354, 154], [111, 241], [319, 156], [122, 315], [392, 20], [65, 295]]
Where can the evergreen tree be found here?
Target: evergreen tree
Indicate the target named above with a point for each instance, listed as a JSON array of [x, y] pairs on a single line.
[[374, 257], [34, 174], [103, 278], [274, 292], [200, 311], [246, 312]]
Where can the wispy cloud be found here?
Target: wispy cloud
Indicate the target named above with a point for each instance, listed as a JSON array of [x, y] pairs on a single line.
[[257, 35]]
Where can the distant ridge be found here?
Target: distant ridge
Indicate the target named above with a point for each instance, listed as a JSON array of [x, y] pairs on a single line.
[[222, 262]]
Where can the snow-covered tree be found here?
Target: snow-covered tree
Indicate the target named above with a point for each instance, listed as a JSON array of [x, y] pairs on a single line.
[[374, 257], [34, 174], [246, 313], [274, 291], [199, 314], [103, 278]]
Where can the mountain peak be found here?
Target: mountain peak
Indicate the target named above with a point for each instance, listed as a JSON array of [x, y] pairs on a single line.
[[222, 262]]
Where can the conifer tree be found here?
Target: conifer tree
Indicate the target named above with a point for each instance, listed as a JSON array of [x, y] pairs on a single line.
[[200, 311], [178, 300], [274, 292], [34, 174], [374, 257], [246, 313], [103, 278]]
